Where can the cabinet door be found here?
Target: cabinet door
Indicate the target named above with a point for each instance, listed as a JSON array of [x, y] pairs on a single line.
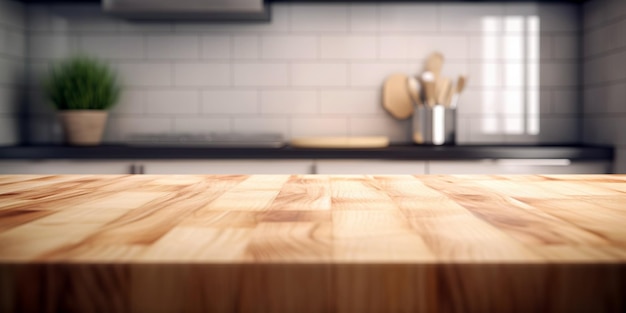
[[369, 167], [248, 167], [65, 167], [522, 166]]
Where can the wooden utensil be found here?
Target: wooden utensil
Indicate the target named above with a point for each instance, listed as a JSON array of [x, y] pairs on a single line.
[[441, 89], [460, 86], [450, 95], [428, 85], [414, 90], [396, 98], [434, 63]]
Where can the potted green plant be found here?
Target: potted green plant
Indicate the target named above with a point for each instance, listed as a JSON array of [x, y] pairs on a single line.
[[82, 89]]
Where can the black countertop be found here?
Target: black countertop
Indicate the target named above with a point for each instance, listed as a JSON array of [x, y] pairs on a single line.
[[394, 152]]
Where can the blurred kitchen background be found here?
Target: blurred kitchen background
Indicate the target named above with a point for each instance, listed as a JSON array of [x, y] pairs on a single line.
[[539, 73]]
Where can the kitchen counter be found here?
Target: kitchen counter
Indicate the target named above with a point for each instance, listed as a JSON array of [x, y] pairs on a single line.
[[313, 243], [394, 152]]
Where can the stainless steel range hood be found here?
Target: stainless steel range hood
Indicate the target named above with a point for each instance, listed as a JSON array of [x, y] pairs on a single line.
[[205, 10]]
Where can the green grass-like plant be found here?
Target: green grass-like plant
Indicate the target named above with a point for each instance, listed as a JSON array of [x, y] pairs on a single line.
[[82, 83]]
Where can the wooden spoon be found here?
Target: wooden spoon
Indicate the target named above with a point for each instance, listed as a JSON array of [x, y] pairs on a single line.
[[460, 86], [443, 84], [414, 90], [428, 85], [434, 63], [450, 96], [396, 98]]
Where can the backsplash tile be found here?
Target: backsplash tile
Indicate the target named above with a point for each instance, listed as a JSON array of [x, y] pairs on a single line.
[[373, 74], [216, 47], [319, 74], [11, 71], [12, 15], [289, 102], [13, 43], [565, 47], [8, 129], [394, 47], [289, 47], [246, 47], [397, 131], [132, 102], [257, 125], [468, 17], [319, 126], [194, 125], [196, 74], [562, 102], [171, 47], [363, 17], [564, 74], [261, 74], [172, 102], [136, 74], [121, 128], [51, 46], [615, 97], [318, 69], [351, 47], [400, 17], [559, 18], [604, 76], [319, 18], [9, 99], [350, 102], [113, 47], [230, 102]]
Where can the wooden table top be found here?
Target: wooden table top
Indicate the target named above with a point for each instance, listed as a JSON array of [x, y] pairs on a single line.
[[313, 219]]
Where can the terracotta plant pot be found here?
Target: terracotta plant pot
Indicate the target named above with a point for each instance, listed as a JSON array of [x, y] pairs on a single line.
[[83, 127]]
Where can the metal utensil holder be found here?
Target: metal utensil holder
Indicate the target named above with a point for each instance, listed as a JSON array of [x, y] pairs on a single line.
[[434, 125]]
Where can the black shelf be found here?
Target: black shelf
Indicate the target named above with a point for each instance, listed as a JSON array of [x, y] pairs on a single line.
[[394, 152]]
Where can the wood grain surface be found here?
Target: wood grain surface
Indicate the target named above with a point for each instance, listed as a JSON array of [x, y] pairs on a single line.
[[312, 243]]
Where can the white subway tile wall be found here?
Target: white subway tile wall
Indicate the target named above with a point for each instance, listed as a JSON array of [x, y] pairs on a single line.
[[186, 102], [353, 102], [148, 74], [319, 74], [318, 69], [348, 47], [289, 47], [202, 74], [289, 102], [319, 126], [604, 76], [113, 47], [469, 17], [269, 124], [12, 69], [246, 47], [230, 102], [261, 74], [201, 124]]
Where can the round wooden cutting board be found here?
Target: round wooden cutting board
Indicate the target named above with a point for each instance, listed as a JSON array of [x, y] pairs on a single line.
[[396, 97], [340, 142]]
